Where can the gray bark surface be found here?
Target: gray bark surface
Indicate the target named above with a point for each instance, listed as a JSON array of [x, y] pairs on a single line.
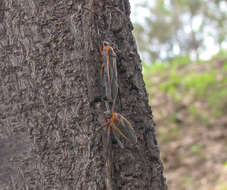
[[51, 133]]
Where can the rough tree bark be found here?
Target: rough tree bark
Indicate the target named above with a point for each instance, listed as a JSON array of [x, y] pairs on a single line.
[[51, 133]]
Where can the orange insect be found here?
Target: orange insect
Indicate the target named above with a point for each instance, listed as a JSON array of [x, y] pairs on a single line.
[[121, 127], [109, 71], [116, 123]]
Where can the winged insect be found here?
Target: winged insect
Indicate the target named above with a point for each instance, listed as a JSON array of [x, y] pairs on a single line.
[[121, 127], [109, 71]]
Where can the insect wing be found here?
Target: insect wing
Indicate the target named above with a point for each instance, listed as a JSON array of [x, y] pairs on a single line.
[[102, 60], [116, 136], [123, 127], [107, 78], [114, 78]]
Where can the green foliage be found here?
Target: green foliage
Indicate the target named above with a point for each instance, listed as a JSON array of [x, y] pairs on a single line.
[[180, 60], [170, 86], [200, 83], [190, 106], [225, 67], [195, 114], [222, 187], [187, 180], [206, 83], [169, 135], [220, 54], [196, 148], [180, 27]]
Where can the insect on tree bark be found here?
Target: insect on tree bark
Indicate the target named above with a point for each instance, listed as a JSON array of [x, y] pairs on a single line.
[[53, 127]]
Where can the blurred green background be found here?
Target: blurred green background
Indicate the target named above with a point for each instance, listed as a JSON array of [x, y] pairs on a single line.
[[183, 46]]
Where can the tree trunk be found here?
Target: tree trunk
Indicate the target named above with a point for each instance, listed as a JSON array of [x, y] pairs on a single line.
[[52, 133]]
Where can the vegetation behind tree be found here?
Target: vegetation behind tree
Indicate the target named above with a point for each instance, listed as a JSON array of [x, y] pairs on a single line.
[[190, 108], [187, 94], [181, 28]]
